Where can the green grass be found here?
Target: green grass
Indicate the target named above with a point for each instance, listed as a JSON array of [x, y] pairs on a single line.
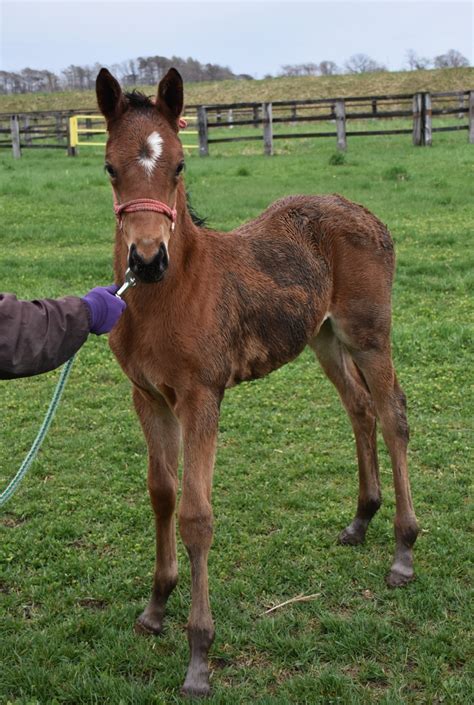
[[77, 540]]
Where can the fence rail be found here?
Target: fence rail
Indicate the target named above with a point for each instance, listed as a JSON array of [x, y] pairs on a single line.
[[60, 129]]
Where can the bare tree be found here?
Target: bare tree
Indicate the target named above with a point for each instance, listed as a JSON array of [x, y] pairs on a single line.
[[119, 70], [214, 72], [193, 69], [416, 62], [324, 68], [145, 70], [51, 82], [328, 68], [289, 70], [131, 73], [361, 63], [78, 78], [452, 59], [308, 69], [12, 82]]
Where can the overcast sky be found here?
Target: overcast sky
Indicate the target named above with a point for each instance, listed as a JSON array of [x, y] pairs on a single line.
[[249, 36]]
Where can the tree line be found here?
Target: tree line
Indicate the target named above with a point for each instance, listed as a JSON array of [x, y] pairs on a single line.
[[145, 70], [148, 70], [361, 63]]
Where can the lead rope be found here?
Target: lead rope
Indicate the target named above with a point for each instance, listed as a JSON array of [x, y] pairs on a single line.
[[138, 204], [10, 490]]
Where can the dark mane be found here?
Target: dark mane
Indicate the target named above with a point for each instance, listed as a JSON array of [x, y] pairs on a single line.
[[197, 220], [136, 99]]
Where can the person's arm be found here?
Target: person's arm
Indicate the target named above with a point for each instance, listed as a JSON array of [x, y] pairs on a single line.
[[38, 336]]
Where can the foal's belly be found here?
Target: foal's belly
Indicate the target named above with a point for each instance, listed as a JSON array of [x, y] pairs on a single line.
[[277, 337]]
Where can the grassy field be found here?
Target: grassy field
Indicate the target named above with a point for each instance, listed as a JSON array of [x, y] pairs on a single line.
[[435, 80], [77, 541]]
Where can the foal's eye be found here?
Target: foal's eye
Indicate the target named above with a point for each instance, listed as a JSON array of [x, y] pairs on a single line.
[[110, 170], [179, 168]]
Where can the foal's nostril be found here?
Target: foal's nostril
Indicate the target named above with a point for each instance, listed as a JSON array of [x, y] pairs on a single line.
[[151, 270], [164, 254]]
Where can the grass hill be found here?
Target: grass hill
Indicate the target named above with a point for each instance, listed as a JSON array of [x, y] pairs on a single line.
[[435, 80]]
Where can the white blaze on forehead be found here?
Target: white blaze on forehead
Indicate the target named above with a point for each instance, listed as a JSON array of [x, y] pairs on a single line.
[[153, 148]]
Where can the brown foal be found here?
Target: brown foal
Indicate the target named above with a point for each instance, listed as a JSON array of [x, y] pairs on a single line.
[[214, 309]]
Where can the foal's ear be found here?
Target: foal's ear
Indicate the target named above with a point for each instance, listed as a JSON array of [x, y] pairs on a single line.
[[109, 96], [170, 96]]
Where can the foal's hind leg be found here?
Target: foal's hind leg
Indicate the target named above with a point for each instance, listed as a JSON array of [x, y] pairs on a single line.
[[390, 405], [339, 367], [162, 434]]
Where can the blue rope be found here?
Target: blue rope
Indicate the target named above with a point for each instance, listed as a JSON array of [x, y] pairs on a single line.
[[10, 490]]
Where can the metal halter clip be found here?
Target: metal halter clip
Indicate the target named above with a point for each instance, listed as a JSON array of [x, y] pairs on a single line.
[[130, 280]]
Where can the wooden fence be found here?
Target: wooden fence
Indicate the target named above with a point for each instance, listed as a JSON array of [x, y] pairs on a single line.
[[422, 110], [36, 130], [419, 114]]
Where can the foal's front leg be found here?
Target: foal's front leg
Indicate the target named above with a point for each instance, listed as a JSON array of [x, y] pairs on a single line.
[[162, 433], [199, 417]]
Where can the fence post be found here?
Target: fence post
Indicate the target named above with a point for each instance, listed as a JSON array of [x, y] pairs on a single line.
[[422, 118], [59, 127], [202, 127], [255, 115], [417, 121], [26, 128], [340, 111], [267, 129], [471, 117], [15, 132], [427, 116]]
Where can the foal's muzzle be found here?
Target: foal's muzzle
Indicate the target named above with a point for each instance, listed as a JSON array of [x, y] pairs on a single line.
[[149, 271]]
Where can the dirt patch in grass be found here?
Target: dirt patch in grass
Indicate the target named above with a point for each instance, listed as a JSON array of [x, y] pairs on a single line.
[[30, 610], [12, 522], [219, 663], [92, 603]]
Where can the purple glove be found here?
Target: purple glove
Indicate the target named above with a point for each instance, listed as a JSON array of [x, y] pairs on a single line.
[[105, 308]]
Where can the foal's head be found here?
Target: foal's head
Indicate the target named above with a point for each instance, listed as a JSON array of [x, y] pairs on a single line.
[[144, 159]]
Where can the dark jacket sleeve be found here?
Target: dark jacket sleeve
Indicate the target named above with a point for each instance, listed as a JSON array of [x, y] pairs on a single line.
[[38, 336]]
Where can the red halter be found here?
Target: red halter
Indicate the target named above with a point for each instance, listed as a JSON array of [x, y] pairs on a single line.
[[143, 204]]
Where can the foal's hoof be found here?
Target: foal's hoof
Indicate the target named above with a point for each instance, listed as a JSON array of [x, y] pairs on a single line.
[[145, 624], [196, 683], [351, 536], [196, 691], [398, 579]]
